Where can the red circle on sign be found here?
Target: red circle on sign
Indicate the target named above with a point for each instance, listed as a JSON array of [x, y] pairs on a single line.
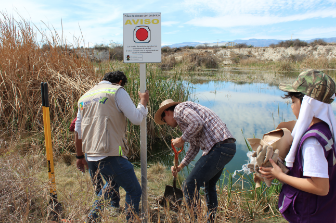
[[141, 34]]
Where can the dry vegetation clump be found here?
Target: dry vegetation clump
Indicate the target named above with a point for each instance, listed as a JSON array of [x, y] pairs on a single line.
[[166, 50], [242, 45], [290, 43], [318, 63], [22, 196], [285, 66], [296, 58], [116, 53], [24, 64], [168, 62], [242, 59], [249, 61], [298, 43], [320, 42], [204, 59]]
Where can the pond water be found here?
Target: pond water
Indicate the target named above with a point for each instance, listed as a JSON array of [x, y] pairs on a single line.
[[248, 109]]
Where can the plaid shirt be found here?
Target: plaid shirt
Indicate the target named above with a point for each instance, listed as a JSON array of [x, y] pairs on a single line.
[[201, 127]]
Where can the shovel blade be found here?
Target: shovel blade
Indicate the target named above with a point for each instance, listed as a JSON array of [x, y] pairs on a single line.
[[173, 196], [174, 192]]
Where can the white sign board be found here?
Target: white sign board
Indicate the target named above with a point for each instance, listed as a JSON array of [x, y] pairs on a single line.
[[142, 37]]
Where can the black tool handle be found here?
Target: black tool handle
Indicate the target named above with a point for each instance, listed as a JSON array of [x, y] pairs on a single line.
[[42, 93], [174, 183], [46, 96]]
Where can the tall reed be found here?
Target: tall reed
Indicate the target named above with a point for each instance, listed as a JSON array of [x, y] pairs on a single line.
[[24, 64], [26, 61]]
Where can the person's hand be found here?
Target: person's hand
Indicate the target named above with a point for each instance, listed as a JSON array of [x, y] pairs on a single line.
[[271, 173], [144, 98], [81, 164], [175, 170], [178, 142]]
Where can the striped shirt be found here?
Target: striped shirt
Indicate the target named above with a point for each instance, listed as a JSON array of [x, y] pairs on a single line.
[[201, 127]]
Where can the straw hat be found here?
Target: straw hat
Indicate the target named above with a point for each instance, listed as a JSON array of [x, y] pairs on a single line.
[[163, 106]]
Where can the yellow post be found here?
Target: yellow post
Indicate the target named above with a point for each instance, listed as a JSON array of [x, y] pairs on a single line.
[[55, 206], [48, 142]]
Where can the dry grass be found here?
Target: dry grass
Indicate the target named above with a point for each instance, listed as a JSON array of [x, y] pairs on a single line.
[[292, 64], [168, 62], [23, 66], [190, 61], [318, 63], [24, 195]]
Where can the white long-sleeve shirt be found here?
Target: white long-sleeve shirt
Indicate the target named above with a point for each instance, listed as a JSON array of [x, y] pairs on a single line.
[[125, 105]]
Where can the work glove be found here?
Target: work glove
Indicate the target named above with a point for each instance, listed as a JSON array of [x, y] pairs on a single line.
[[263, 154]]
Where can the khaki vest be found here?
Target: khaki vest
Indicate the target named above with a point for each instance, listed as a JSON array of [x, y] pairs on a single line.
[[103, 125]]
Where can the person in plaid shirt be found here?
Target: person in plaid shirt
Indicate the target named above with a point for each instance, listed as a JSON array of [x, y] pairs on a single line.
[[205, 131]]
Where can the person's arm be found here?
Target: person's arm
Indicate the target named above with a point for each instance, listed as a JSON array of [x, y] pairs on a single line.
[[80, 163], [192, 119], [126, 106], [190, 155], [78, 124], [313, 185], [195, 125]]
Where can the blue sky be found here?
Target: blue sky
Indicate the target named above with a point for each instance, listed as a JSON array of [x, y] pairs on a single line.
[[208, 21]]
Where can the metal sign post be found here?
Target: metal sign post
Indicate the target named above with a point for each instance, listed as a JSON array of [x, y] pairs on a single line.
[[143, 147], [142, 44]]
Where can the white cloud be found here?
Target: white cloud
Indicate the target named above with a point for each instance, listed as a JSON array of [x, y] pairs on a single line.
[[172, 32], [101, 21], [225, 7], [169, 23], [314, 31], [256, 20]]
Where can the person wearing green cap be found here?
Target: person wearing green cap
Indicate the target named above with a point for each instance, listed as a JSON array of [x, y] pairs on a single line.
[[309, 190]]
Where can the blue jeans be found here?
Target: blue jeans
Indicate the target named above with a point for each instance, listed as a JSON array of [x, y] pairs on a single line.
[[97, 180], [118, 172], [206, 173]]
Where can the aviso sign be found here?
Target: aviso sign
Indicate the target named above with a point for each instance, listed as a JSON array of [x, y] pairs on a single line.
[[142, 37]]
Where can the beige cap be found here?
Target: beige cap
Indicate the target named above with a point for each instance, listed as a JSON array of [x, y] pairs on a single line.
[[163, 106]]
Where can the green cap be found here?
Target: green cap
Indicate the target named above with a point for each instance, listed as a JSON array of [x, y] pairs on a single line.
[[314, 84]]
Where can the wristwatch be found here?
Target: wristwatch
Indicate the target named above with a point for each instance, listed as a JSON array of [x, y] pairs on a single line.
[[80, 157]]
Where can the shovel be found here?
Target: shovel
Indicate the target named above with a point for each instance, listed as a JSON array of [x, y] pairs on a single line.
[[172, 195]]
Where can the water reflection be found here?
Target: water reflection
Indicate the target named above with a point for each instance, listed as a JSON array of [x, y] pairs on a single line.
[[249, 109], [252, 109]]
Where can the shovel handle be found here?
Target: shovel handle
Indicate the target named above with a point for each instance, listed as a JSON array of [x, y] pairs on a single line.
[[175, 151], [175, 164], [175, 161]]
